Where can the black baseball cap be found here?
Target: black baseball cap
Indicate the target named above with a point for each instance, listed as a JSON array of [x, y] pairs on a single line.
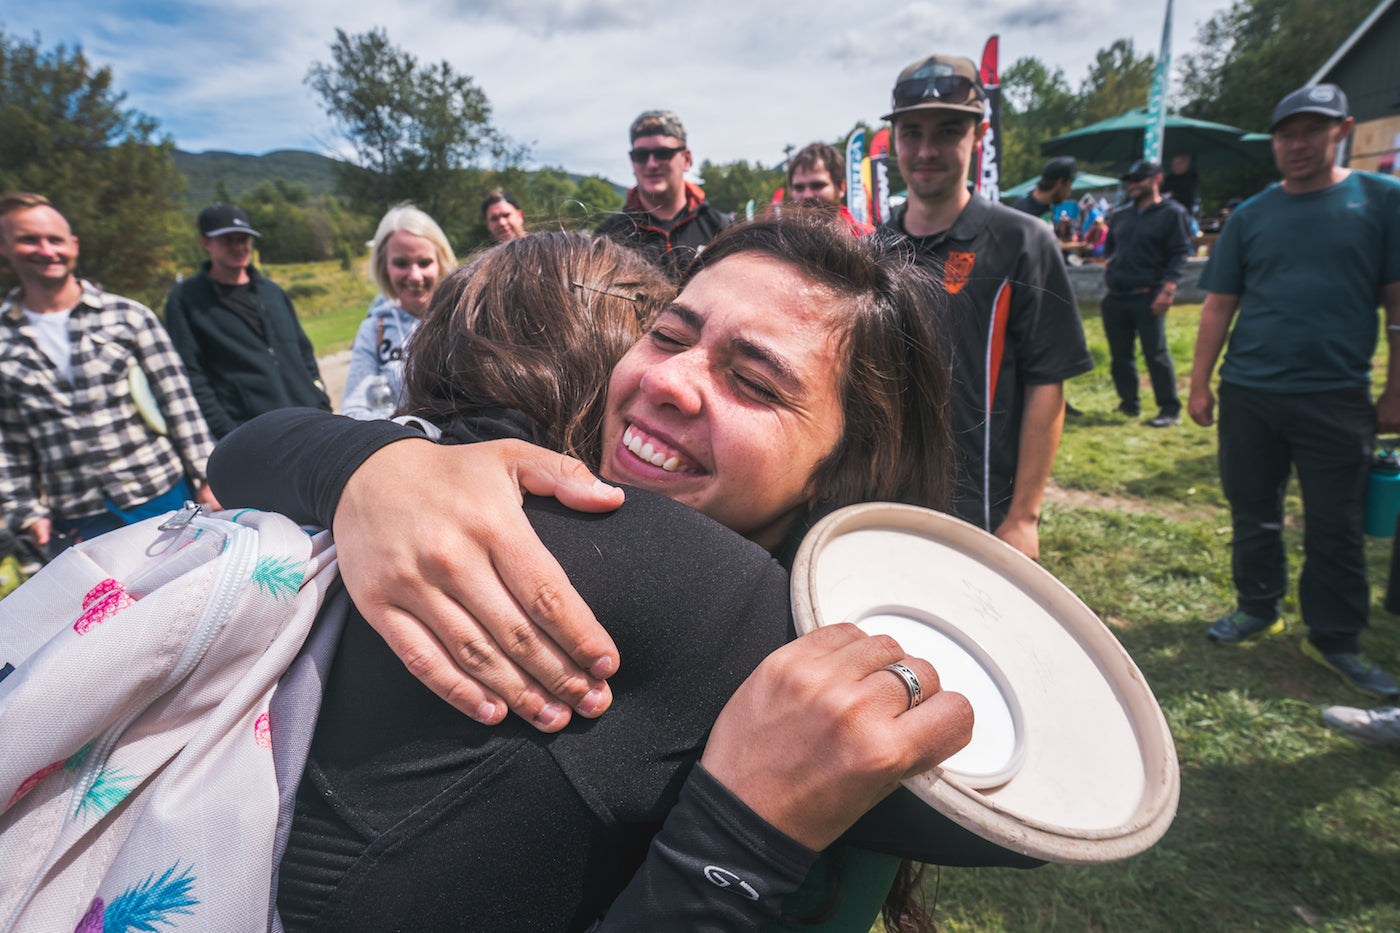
[[218, 219], [1060, 168], [1325, 99], [1142, 169]]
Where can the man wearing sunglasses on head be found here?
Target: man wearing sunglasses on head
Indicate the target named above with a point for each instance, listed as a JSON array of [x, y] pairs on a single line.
[[666, 217], [1011, 322]]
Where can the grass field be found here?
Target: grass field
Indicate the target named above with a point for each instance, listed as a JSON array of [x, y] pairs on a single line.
[[330, 301], [1283, 825]]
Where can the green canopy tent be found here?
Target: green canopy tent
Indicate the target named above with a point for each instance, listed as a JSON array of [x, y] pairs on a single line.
[[1118, 140], [1084, 181]]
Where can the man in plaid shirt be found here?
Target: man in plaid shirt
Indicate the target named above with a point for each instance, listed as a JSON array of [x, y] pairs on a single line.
[[85, 446]]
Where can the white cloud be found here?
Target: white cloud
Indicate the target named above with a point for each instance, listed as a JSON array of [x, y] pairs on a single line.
[[567, 76]]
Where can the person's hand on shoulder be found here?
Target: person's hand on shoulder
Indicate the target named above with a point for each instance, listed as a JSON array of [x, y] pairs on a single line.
[[822, 731], [464, 592]]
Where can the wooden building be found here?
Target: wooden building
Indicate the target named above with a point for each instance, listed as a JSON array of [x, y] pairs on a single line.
[[1367, 68]]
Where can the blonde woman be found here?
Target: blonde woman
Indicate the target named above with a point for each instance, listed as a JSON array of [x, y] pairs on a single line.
[[409, 257]]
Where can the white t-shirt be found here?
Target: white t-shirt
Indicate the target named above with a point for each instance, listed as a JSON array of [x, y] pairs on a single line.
[[52, 331]]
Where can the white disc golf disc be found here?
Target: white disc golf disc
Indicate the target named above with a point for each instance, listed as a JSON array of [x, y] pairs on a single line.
[[1070, 759]]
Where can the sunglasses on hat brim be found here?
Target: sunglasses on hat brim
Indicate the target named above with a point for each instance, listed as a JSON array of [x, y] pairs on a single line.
[[945, 89]]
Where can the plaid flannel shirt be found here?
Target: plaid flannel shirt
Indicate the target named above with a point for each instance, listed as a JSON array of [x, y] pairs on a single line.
[[68, 447]]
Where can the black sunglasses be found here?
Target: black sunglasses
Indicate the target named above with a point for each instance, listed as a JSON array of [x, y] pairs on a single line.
[[950, 89], [661, 153]]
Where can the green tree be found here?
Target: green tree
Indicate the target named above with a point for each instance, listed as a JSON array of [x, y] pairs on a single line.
[[64, 133], [599, 198], [297, 227], [730, 186], [1248, 57], [1118, 80], [1037, 103], [414, 128], [1252, 54]]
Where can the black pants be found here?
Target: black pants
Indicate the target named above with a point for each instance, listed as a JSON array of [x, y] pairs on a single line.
[[1329, 437], [1126, 317]]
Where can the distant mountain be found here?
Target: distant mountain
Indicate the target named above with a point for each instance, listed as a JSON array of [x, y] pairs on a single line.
[[240, 172]]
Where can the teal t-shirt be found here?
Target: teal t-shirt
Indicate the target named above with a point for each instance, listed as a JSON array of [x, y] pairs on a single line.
[[1309, 270]]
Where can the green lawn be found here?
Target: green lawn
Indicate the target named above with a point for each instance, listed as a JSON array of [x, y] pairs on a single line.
[[330, 301], [1283, 825]]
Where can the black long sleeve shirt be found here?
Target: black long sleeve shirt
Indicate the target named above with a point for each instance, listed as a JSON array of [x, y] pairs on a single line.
[[1147, 248]]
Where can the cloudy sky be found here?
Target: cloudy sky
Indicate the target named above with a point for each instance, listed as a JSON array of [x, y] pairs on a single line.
[[565, 77]]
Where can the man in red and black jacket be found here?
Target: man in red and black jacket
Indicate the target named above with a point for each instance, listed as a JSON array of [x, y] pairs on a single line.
[[665, 217]]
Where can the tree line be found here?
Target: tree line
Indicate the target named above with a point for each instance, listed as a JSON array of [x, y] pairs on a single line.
[[423, 132], [1244, 60]]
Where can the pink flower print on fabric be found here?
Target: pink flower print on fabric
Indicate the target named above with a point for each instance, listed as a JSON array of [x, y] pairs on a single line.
[[101, 603], [92, 920], [262, 731], [32, 782]]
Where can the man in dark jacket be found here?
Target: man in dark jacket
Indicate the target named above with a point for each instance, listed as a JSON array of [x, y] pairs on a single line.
[[243, 348], [1149, 239], [666, 217]]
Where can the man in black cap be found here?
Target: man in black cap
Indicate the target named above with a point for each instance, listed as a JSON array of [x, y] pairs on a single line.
[[1303, 263], [1012, 324], [238, 334], [1148, 241], [1055, 186], [665, 217]]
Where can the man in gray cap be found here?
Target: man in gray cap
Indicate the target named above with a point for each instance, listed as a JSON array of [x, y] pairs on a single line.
[[1011, 322], [1298, 269], [665, 216], [1055, 185], [237, 332]]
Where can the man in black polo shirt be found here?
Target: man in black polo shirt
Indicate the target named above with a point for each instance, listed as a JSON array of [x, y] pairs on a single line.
[[1148, 241], [665, 217], [1011, 322]]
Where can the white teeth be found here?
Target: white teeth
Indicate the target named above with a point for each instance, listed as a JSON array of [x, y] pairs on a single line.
[[646, 450]]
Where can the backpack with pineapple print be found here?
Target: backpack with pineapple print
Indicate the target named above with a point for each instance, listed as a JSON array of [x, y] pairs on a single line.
[[138, 775]]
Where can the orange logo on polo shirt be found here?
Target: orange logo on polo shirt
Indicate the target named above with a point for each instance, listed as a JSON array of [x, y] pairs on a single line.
[[956, 269]]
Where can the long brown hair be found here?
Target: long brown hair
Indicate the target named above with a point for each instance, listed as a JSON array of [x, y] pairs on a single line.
[[534, 324], [895, 442]]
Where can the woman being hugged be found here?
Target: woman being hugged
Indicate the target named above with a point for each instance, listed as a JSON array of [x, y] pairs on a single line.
[[409, 256]]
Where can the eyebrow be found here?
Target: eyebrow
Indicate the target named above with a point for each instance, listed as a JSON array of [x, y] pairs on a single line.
[[742, 346]]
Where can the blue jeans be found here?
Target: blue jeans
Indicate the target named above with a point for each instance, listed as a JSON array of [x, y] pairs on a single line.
[[81, 529], [1126, 317], [1328, 437]]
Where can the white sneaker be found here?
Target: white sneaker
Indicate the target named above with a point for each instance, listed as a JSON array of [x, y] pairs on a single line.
[[1376, 726]]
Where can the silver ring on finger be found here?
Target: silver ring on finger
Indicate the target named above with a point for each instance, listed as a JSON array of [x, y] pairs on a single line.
[[911, 683]]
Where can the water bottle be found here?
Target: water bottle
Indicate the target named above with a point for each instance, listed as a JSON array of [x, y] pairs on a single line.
[[379, 396], [1383, 494]]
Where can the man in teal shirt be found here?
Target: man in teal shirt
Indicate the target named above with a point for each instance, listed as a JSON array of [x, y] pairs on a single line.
[[1305, 264]]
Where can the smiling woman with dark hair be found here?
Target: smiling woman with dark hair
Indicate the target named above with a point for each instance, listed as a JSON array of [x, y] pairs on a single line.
[[794, 373]]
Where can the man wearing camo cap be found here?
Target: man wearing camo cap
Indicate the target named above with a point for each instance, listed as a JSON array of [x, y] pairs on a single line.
[[665, 217]]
